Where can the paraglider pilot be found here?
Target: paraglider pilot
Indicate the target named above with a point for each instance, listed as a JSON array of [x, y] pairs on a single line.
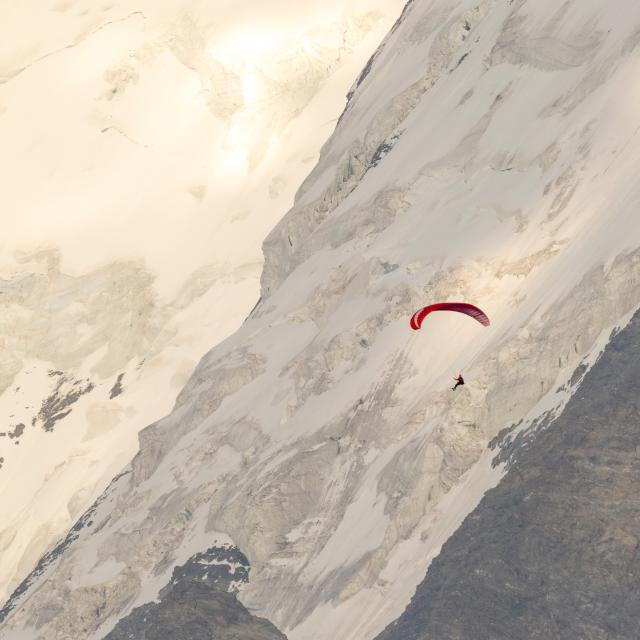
[[459, 382]]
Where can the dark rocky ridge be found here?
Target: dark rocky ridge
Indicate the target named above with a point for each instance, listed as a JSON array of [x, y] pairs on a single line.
[[199, 603], [552, 551]]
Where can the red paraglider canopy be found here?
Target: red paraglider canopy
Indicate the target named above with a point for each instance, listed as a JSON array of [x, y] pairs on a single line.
[[460, 307]]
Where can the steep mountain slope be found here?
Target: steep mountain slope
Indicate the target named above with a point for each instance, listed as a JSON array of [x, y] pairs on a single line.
[[552, 551], [489, 153], [148, 147]]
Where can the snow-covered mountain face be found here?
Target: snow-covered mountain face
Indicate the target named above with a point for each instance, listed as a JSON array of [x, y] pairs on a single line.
[[147, 148], [488, 153]]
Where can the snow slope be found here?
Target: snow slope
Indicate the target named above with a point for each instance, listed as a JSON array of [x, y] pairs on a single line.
[[488, 153], [147, 149]]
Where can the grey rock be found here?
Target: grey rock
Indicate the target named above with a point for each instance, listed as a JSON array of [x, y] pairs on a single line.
[[59, 403], [17, 431], [117, 389], [199, 604], [194, 611]]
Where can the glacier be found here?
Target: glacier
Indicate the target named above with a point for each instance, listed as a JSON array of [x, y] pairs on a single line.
[[148, 147], [488, 152]]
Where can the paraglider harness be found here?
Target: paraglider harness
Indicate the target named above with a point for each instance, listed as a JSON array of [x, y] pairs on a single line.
[[459, 382]]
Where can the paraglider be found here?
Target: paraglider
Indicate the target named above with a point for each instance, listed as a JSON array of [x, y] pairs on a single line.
[[461, 307]]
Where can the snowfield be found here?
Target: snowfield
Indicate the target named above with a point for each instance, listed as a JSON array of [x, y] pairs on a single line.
[[148, 147], [488, 153]]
